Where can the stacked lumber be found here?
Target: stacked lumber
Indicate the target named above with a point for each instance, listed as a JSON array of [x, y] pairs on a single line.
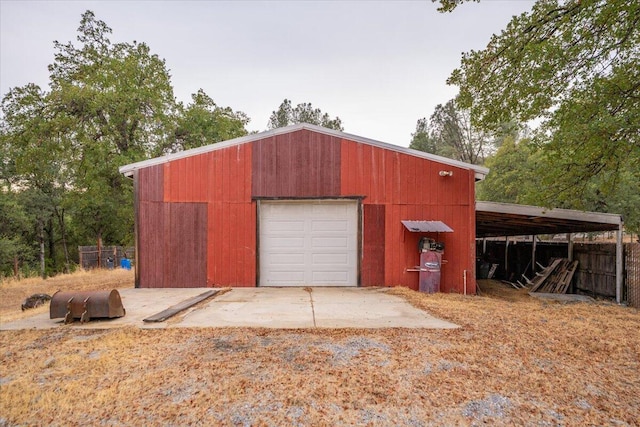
[[555, 278]]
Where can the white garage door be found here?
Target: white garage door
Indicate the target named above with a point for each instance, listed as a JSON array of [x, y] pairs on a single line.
[[308, 243]]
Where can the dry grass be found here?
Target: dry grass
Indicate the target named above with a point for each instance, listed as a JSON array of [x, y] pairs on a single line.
[[14, 292], [515, 360]]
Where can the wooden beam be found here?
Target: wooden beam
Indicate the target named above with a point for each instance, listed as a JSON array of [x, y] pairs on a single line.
[[619, 264], [533, 254], [506, 255]]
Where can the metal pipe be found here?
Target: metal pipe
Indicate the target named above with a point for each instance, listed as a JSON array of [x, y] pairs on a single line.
[[464, 279]]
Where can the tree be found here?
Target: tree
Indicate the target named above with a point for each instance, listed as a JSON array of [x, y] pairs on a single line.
[[203, 122], [107, 105], [513, 176], [35, 165], [302, 113], [449, 133], [118, 107], [421, 139], [574, 66], [16, 241]]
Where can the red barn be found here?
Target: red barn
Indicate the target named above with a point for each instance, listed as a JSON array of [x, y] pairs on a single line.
[[301, 206]]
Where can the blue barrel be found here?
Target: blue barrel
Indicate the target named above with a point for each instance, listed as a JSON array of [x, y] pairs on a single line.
[[125, 263]]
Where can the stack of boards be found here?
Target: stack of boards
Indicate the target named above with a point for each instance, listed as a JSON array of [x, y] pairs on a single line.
[[555, 278]]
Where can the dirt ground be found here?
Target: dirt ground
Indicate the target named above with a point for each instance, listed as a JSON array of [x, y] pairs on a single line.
[[515, 360]]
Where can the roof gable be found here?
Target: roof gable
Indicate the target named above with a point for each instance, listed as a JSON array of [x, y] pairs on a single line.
[[127, 170]]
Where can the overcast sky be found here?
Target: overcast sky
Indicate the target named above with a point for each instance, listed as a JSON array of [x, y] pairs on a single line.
[[379, 66]]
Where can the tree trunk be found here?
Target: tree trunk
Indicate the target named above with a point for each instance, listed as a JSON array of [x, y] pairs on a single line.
[[63, 233], [99, 250], [51, 243], [15, 266], [42, 265]]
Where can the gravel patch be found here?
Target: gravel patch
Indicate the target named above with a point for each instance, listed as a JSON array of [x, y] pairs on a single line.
[[369, 417], [493, 406], [447, 365], [343, 353]]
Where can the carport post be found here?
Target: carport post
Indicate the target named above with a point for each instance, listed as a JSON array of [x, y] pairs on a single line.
[[619, 266], [570, 246], [506, 256], [533, 254]]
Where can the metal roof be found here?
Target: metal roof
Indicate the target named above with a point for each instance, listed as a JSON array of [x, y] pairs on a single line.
[[427, 226], [127, 170], [506, 219]]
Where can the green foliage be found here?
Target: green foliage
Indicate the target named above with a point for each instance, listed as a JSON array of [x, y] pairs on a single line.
[[203, 122], [449, 133], [421, 139], [302, 113], [513, 176], [573, 65], [109, 104], [450, 5], [15, 232]]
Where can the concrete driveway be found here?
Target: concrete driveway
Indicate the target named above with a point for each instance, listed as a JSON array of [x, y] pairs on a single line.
[[283, 308]]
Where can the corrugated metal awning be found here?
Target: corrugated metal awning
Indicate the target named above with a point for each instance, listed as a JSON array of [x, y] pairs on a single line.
[[427, 226], [507, 219]]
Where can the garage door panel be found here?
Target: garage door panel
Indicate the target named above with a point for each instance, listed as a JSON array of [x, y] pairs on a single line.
[[282, 226], [319, 225], [335, 243], [279, 278], [320, 209], [286, 258], [287, 243], [321, 277], [330, 259], [308, 243]]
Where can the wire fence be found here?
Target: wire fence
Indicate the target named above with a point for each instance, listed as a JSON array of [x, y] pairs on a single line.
[[107, 257], [632, 273]]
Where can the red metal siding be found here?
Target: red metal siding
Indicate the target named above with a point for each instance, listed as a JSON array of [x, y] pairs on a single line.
[[151, 183], [373, 245], [222, 180], [151, 249], [297, 164], [172, 244], [471, 241], [411, 188], [208, 199], [185, 265]]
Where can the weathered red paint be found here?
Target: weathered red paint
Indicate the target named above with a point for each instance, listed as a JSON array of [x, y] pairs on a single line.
[[172, 244], [373, 245], [222, 186], [297, 164], [411, 188]]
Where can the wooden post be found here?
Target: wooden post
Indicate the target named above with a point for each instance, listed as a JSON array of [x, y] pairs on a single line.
[[484, 246], [15, 266], [80, 257], [99, 251], [506, 257], [619, 264], [533, 255], [136, 229], [570, 246]]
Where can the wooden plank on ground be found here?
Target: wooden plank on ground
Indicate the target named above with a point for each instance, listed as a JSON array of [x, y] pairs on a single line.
[[175, 309], [539, 280], [566, 281]]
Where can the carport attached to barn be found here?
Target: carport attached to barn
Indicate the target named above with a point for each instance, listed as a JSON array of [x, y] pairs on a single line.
[[506, 219]]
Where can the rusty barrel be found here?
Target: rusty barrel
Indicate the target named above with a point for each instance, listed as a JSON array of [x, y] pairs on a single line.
[[86, 305]]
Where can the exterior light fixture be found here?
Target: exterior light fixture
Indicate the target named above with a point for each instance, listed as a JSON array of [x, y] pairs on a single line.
[[445, 173]]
